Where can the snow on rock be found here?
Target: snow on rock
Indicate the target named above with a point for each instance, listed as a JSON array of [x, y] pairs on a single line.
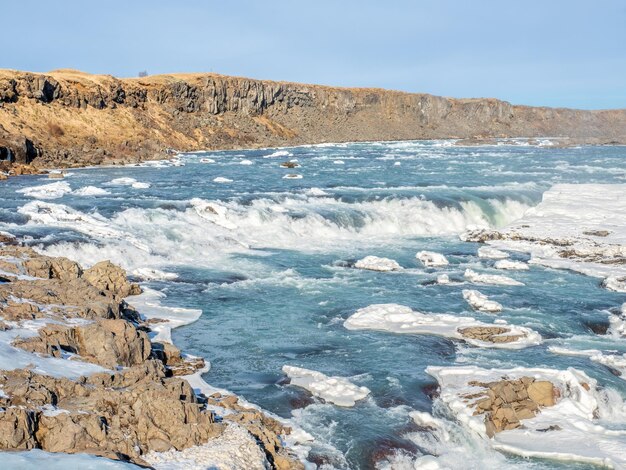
[[430, 258], [576, 226], [491, 253], [615, 284], [337, 390], [481, 302], [374, 263], [511, 265], [47, 191], [396, 318], [234, 449], [568, 430], [496, 279]]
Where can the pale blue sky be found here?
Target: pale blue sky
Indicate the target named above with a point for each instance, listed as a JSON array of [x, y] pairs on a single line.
[[549, 52]]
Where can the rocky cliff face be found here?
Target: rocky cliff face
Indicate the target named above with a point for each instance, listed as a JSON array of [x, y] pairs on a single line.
[[71, 118]]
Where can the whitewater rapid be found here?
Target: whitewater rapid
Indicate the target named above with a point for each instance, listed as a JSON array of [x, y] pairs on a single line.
[[266, 268]]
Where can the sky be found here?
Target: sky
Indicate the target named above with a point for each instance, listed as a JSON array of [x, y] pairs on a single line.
[[568, 53]]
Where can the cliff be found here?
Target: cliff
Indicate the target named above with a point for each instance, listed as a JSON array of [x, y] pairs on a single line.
[[66, 118]]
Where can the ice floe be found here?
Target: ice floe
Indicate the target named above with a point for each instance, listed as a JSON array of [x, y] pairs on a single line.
[[569, 430], [495, 279], [511, 265], [374, 263], [336, 390], [481, 302], [396, 318], [491, 253], [431, 258], [47, 191]]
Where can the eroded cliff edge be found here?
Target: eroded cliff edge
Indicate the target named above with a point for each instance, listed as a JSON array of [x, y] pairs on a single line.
[[66, 118]]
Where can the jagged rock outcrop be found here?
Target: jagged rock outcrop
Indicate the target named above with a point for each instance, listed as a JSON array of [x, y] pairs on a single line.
[[140, 405], [71, 118]]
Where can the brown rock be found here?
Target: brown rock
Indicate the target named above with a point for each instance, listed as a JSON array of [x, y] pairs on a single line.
[[108, 343], [542, 393], [109, 277]]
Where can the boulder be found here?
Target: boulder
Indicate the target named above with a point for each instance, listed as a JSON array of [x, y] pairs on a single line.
[[109, 277]]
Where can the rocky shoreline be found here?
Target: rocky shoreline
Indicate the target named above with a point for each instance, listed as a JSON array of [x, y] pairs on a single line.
[[138, 401]]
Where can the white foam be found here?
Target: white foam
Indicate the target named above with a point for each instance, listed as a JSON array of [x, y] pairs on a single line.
[[58, 215], [396, 318], [511, 265], [481, 302], [278, 153], [91, 191], [374, 263], [140, 185], [491, 253], [221, 179], [495, 279], [123, 181], [336, 390], [47, 191], [339, 162], [430, 258], [213, 212], [149, 274], [246, 162], [579, 435]]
